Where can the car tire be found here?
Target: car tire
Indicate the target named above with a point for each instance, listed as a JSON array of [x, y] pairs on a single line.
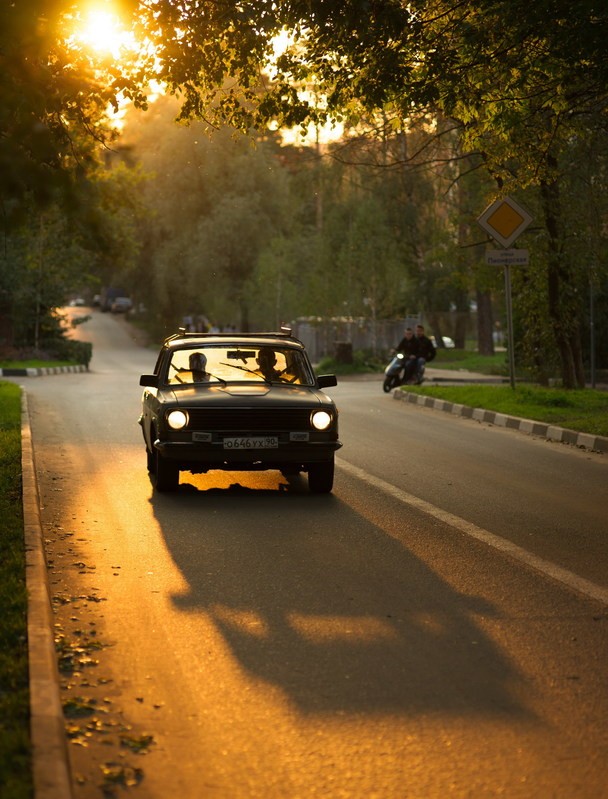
[[167, 474], [151, 461], [321, 477]]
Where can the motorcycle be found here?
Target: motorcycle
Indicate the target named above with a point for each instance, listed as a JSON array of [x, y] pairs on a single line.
[[393, 376]]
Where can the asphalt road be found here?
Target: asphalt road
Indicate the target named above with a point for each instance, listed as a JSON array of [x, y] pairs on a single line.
[[246, 639]]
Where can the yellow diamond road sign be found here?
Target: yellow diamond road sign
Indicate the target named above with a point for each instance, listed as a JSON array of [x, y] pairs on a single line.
[[504, 220]]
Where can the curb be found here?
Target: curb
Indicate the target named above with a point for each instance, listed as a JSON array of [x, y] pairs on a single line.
[[494, 381], [50, 763], [548, 431], [41, 371]]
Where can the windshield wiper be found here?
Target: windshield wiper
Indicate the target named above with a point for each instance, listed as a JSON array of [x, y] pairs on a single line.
[[251, 371]]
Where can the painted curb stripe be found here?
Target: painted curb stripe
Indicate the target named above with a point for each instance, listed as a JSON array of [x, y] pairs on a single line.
[[551, 432]]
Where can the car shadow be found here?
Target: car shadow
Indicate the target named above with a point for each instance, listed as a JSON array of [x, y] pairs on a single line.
[[317, 600]]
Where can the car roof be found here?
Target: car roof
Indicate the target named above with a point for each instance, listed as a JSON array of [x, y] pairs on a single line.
[[278, 339]]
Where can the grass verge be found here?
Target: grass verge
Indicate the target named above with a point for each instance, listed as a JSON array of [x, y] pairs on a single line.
[[15, 755], [496, 364], [364, 362], [584, 411]]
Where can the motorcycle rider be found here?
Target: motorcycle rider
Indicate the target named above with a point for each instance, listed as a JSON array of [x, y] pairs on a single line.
[[409, 347], [426, 352]]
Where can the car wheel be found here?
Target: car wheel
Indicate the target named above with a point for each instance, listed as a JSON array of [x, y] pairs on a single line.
[[321, 477], [151, 461], [167, 474]]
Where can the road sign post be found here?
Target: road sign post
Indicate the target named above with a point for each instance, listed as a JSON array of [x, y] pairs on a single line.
[[505, 220], [511, 347]]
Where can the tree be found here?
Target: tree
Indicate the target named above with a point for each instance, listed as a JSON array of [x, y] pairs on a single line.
[[520, 81], [215, 203], [54, 254], [53, 99]]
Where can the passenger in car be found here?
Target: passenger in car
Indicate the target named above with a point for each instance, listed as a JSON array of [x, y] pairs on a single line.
[[293, 368], [198, 366]]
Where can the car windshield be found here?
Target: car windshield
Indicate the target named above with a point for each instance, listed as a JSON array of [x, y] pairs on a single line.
[[239, 363]]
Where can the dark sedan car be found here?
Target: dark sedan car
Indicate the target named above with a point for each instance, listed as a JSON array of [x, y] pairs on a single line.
[[238, 401]]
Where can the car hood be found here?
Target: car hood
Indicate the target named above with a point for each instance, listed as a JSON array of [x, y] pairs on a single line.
[[245, 396]]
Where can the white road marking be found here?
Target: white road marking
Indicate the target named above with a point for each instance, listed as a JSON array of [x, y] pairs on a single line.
[[547, 568]]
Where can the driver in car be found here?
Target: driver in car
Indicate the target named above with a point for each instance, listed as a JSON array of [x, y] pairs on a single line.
[[266, 361]]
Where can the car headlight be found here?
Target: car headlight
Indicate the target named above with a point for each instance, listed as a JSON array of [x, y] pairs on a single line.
[[177, 419], [321, 420]]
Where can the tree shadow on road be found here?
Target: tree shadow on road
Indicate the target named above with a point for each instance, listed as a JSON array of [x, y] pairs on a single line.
[[332, 607]]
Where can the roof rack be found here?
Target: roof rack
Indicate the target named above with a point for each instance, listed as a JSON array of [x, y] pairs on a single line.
[[284, 332]]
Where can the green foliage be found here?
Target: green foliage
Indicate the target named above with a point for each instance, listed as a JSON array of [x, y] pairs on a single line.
[[513, 88], [363, 363], [55, 254], [53, 102], [522, 85], [456, 359], [77, 352], [32, 363], [516, 75], [277, 234], [14, 694]]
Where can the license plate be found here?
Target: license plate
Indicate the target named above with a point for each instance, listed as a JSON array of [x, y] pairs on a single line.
[[252, 442]]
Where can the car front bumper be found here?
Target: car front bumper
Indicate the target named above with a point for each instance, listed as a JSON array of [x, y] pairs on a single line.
[[192, 456]]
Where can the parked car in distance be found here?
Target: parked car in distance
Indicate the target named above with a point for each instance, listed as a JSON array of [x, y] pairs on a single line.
[[448, 342], [121, 305], [238, 401]]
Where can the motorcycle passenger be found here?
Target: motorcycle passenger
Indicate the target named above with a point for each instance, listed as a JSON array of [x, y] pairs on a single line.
[[426, 352], [409, 347]]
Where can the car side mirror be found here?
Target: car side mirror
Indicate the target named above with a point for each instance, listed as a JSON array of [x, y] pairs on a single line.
[[149, 380], [326, 381]]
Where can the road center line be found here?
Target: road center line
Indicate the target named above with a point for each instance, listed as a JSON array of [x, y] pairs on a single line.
[[547, 568]]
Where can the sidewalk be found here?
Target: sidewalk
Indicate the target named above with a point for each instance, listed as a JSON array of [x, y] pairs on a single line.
[[456, 376], [459, 376]]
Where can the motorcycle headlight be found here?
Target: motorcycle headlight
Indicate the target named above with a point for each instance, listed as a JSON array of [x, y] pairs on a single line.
[[321, 420], [177, 419]]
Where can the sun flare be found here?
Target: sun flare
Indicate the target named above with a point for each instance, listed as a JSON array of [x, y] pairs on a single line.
[[102, 31]]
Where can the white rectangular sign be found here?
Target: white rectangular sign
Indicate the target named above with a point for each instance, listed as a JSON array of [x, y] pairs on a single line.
[[507, 257]]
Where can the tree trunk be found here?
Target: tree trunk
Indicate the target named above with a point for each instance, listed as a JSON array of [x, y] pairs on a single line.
[[485, 323], [436, 327], [461, 325], [563, 319], [577, 351]]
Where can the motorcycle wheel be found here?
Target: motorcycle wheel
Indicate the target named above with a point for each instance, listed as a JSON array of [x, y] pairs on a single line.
[[388, 384]]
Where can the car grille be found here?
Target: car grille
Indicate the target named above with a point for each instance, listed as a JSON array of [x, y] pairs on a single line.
[[250, 419]]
